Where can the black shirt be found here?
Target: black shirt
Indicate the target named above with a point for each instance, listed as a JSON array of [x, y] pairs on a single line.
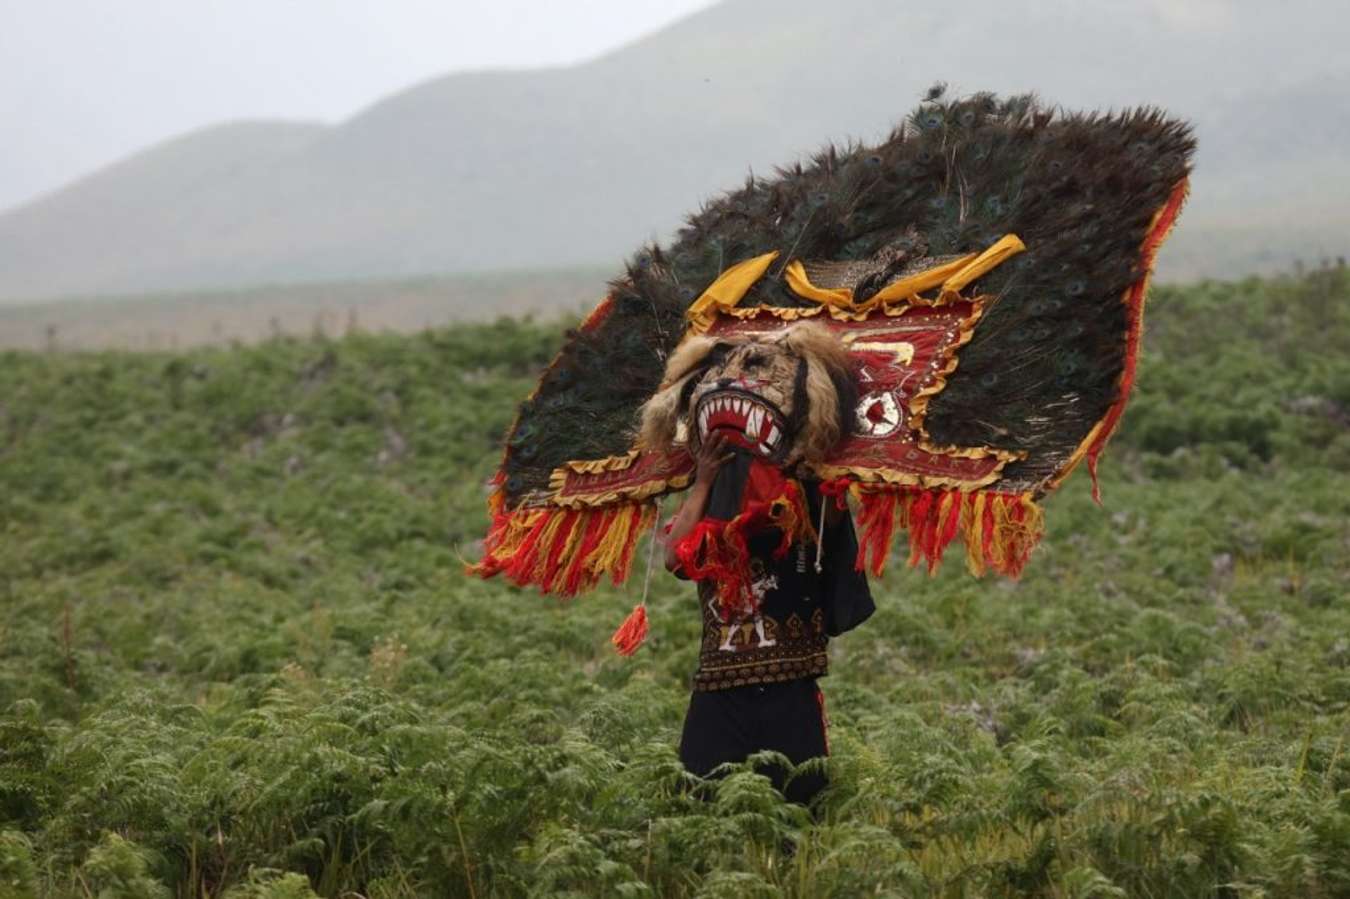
[[799, 610]]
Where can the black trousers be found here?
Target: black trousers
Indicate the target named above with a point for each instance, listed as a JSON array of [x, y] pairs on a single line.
[[728, 725]]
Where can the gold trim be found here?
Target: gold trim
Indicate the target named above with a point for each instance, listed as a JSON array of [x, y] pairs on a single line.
[[636, 493], [595, 466], [1080, 452], [642, 490], [874, 477], [787, 313]]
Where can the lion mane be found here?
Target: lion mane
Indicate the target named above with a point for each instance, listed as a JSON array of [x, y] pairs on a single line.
[[802, 371]]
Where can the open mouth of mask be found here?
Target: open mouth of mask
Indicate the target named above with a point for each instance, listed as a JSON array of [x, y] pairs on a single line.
[[747, 420]]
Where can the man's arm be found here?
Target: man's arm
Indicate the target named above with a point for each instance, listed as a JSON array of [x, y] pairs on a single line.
[[710, 460]]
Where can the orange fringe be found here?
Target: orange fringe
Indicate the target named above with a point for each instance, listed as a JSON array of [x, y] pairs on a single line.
[[632, 632], [1000, 530], [564, 551], [1134, 316]]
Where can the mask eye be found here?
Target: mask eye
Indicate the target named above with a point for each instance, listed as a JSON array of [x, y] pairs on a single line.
[[754, 360]]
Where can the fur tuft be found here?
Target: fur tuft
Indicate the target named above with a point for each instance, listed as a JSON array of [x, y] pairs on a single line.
[[660, 415], [828, 407]]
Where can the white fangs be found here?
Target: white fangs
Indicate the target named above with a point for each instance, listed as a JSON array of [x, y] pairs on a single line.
[[753, 422]]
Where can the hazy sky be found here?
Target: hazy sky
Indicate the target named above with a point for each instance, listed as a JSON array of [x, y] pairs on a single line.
[[84, 82]]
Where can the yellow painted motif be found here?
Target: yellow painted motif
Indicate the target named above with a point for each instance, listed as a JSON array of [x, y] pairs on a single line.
[[902, 351]]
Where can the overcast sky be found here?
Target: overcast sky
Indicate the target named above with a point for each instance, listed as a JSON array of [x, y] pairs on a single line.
[[84, 82]]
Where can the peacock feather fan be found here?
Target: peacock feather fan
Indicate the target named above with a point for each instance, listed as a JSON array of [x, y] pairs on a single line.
[[1042, 376]]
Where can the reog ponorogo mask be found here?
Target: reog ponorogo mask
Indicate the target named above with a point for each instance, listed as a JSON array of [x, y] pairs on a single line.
[[943, 326], [783, 395]]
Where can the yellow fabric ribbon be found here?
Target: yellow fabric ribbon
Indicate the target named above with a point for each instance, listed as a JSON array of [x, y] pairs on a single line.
[[802, 287], [1010, 245], [732, 285], [728, 289], [917, 283], [951, 276]]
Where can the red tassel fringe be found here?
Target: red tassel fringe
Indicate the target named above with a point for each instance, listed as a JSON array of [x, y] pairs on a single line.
[[717, 549], [1000, 530], [564, 551], [632, 632]]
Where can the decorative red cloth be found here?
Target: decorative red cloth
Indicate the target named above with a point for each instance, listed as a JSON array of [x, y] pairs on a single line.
[[716, 549]]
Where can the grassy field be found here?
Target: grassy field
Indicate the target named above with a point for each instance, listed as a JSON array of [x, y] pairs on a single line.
[[238, 656]]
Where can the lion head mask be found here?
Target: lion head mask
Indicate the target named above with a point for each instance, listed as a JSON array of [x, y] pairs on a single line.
[[786, 396]]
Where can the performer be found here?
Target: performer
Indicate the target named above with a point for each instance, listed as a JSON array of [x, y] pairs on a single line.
[[944, 325], [774, 559], [735, 710]]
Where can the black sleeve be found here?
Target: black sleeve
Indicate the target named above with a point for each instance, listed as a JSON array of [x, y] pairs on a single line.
[[848, 598]]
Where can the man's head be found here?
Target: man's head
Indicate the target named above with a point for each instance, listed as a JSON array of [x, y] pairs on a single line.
[[786, 395]]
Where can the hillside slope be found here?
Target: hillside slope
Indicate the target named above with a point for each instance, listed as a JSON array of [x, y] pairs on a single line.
[[577, 166]]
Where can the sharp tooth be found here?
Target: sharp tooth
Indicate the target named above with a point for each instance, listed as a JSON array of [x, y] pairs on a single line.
[[772, 439], [744, 406], [753, 422]]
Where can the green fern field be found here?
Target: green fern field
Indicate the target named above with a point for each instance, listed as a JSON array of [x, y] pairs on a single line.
[[238, 655]]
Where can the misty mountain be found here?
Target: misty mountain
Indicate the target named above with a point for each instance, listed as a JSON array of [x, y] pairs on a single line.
[[574, 166]]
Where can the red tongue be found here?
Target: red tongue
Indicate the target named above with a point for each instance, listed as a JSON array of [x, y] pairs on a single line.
[[734, 423]]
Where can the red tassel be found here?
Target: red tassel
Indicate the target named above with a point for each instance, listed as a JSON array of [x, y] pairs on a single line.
[[987, 526], [837, 488], [949, 526], [577, 577], [717, 549], [877, 523], [632, 632], [919, 527]]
